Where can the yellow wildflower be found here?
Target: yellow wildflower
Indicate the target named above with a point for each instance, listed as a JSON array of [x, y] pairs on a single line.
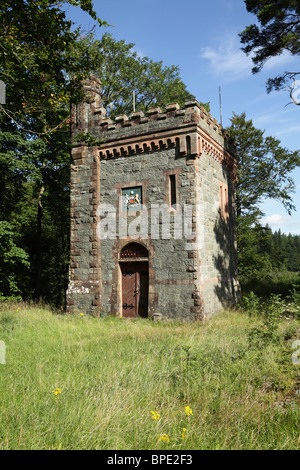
[[57, 392], [164, 438], [155, 415], [188, 411], [183, 435]]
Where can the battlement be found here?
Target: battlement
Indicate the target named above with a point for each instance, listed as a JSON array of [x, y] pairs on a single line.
[[191, 129], [192, 109]]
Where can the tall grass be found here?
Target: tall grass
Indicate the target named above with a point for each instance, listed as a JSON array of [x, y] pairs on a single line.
[[112, 373]]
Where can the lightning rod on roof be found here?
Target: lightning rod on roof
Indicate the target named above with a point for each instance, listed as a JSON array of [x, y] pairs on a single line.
[[220, 101]]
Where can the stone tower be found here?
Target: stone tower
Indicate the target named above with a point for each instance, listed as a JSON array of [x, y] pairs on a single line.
[[152, 212]]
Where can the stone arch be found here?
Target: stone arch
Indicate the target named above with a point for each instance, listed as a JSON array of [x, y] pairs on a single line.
[[134, 250]]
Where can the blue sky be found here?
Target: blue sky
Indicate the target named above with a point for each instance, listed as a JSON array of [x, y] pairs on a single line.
[[201, 37]]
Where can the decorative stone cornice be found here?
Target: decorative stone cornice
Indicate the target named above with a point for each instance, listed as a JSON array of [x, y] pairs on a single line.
[[191, 129]]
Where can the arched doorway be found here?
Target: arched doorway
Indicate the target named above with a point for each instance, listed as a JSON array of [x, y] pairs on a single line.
[[135, 280]]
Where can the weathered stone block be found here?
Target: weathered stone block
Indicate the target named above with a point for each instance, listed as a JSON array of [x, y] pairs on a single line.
[[177, 154]]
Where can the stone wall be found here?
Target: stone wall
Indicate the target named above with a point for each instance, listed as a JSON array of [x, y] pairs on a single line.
[[84, 291], [171, 281], [188, 277], [217, 273]]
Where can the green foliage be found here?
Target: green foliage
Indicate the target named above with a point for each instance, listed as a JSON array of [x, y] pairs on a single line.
[[33, 63], [272, 314], [275, 282], [253, 258], [122, 71], [263, 171], [269, 260], [11, 257], [87, 6], [264, 168], [285, 251], [278, 30], [41, 81], [251, 304], [267, 333], [294, 298]]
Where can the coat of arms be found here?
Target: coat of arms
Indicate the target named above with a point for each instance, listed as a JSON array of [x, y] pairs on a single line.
[[132, 198]]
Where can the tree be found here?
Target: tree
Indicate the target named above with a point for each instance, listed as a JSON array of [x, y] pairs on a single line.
[[254, 261], [40, 78], [278, 31], [264, 168], [123, 72], [12, 258], [41, 81], [263, 171], [43, 62]]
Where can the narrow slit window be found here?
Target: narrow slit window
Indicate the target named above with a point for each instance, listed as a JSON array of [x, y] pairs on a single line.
[[177, 147], [223, 191], [221, 202], [188, 145], [173, 199]]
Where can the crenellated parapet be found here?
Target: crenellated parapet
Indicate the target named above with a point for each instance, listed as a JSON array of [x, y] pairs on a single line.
[[192, 110], [191, 130]]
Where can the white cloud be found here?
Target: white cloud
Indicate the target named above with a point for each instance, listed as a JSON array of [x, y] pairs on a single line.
[[279, 61], [228, 60], [287, 224], [283, 119], [282, 124], [287, 131], [275, 219], [230, 63]]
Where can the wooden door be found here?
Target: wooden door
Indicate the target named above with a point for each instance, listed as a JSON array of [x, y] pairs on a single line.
[[135, 285]]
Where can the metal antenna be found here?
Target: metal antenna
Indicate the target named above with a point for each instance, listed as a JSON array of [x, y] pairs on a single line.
[[133, 95], [220, 100]]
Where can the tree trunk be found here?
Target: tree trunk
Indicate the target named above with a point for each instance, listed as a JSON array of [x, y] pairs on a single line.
[[39, 252]]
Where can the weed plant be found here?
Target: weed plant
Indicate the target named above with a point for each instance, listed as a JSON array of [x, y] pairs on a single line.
[[79, 382]]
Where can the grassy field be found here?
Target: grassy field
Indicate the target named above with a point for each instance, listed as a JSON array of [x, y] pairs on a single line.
[[77, 382]]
